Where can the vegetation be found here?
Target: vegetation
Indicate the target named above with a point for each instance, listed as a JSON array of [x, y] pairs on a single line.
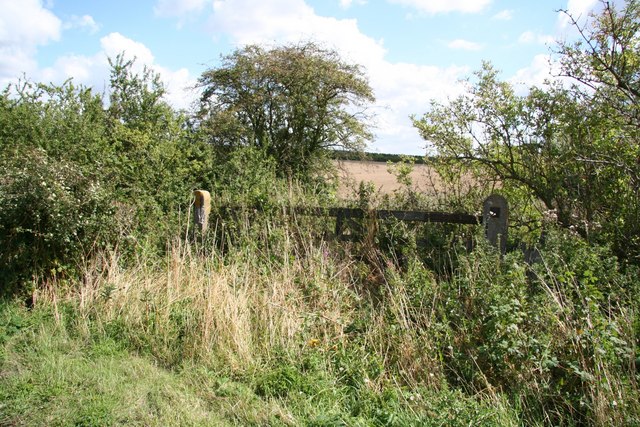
[[375, 157], [114, 312], [292, 102], [572, 149]]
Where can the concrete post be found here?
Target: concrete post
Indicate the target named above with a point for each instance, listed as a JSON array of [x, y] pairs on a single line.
[[495, 216], [201, 209]]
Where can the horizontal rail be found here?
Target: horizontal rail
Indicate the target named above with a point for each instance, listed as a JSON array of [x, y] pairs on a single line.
[[416, 216], [358, 213], [494, 218]]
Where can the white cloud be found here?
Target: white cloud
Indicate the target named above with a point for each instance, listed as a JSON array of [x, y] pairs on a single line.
[[443, 6], [505, 15], [578, 9], [542, 67], [94, 70], [90, 71], [85, 22], [292, 21], [346, 4], [24, 26], [27, 22], [115, 44], [183, 10], [461, 44], [529, 37], [408, 89]]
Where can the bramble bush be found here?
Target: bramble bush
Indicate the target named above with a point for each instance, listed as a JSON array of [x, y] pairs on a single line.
[[79, 178], [51, 216]]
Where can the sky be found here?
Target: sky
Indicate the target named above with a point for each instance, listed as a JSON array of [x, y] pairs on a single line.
[[413, 51]]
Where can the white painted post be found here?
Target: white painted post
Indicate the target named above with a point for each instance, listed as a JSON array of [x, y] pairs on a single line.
[[201, 209]]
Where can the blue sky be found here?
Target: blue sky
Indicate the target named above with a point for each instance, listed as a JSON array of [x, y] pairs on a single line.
[[413, 51]]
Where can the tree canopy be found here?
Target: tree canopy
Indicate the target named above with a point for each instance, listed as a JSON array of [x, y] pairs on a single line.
[[573, 147], [292, 102]]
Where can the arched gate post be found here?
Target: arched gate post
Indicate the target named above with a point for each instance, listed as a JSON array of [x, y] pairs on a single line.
[[495, 216]]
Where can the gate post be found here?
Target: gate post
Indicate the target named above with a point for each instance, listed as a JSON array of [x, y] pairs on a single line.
[[201, 209], [495, 216]]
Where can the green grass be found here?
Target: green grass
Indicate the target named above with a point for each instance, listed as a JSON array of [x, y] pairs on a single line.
[[279, 332], [54, 374], [52, 378]]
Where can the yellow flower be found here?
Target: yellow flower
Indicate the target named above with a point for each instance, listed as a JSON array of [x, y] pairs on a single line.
[[313, 342]]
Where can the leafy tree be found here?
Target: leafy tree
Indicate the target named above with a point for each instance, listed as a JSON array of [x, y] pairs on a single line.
[[293, 102], [571, 149], [135, 99], [605, 64], [606, 58], [525, 141]]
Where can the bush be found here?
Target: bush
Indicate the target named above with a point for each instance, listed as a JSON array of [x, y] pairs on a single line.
[[51, 215], [556, 336]]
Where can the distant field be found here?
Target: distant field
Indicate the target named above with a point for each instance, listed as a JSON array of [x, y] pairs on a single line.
[[352, 172]]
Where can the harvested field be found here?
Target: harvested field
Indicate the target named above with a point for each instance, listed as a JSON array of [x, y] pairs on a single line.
[[352, 172]]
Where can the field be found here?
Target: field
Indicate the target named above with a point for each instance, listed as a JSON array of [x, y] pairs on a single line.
[[423, 179], [352, 172]]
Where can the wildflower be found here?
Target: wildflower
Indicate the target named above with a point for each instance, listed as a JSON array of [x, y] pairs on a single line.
[[313, 342]]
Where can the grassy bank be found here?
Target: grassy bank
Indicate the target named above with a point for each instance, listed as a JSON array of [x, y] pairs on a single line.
[[280, 330]]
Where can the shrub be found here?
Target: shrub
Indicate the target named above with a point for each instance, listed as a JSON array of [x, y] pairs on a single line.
[[51, 215]]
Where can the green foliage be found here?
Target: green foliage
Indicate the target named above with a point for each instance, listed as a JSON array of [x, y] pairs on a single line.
[[550, 337], [605, 59], [51, 215], [55, 200], [282, 381], [568, 152], [136, 99], [535, 143], [78, 177], [292, 102]]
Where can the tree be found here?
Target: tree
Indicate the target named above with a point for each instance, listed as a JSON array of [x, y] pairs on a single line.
[[293, 102], [526, 142], [606, 58], [77, 177], [604, 63], [136, 100], [55, 203], [572, 148]]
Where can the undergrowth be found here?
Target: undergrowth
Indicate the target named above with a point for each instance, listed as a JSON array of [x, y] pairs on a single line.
[[284, 330]]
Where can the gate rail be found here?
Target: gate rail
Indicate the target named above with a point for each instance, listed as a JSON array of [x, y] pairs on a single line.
[[495, 216]]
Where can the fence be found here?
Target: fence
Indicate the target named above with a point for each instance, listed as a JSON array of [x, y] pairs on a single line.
[[495, 216]]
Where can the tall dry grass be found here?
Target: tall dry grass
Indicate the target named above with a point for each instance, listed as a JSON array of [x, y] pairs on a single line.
[[494, 328], [239, 311]]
